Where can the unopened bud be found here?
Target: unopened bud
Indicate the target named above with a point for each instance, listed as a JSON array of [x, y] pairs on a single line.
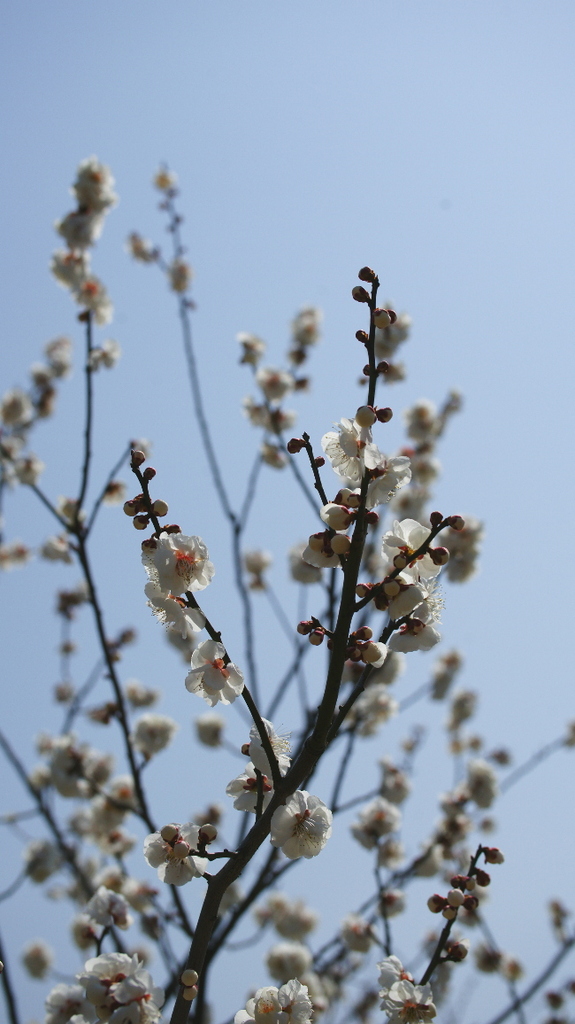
[[455, 897], [189, 977], [493, 855], [383, 366], [340, 544], [295, 445], [168, 833], [371, 653], [316, 637], [245, 749], [160, 507], [436, 519], [381, 318], [436, 903], [130, 508], [367, 274], [363, 589], [449, 913], [316, 541], [456, 522], [458, 951], [138, 457], [439, 556], [385, 415], [482, 877], [319, 461], [181, 849], [391, 588], [354, 500], [460, 881], [362, 336], [470, 903], [372, 517], [400, 561], [359, 294], [190, 993], [365, 416], [304, 627], [207, 834], [1, 967], [141, 522], [364, 633], [149, 473], [172, 528]]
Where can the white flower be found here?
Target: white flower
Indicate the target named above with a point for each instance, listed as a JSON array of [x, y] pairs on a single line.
[[293, 920], [288, 960], [300, 570], [273, 456], [463, 546], [107, 355], [374, 707], [42, 859], [80, 229], [14, 555], [275, 384], [391, 970], [38, 958], [92, 294], [404, 539], [209, 729], [351, 451], [94, 185], [152, 733], [140, 696], [395, 785], [414, 635], [173, 611], [121, 990], [16, 409], [64, 1001], [481, 783], [109, 908], [70, 268], [288, 1005], [57, 549], [301, 827], [244, 790], [84, 933], [175, 857], [165, 180], [392, 902], [375, 820], [253, 347], [388, 477], [357, 933], [422, 421], [176, 563], [408, 1002], [141, 248], [279, 744], [211, 678], [306, 325], [59, 355]]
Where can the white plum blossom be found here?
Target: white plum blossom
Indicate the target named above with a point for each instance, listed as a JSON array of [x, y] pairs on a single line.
[[306, 326], [57, 549], [109, 908], [209, 728], [253, 347], [273, 456], [301, 571], [391, 970], [481, 783], [70, 268], [29, 469], [388, 477], [422, 421], [176, 563], [179, 275], [153, 733], [395, 785], [141, 248], [140, 696], [279, 744], [42, 859], [463, 546], [405, 539], [293, 920], [14, 555], [121, 990], [374, 707], [351, 451], [106, 355], [288, 1005], [244, 789], [302, 826], [165, 180], [94, 185], [173, 611], [414, 635], [211, 678], [80, 229], [357, 933], [37, 958], [377, 819], [58, 352], [16, 409], [288, 960], [92, 294], [173, 851], [64, 1001], [275, 384], [406, 1002]]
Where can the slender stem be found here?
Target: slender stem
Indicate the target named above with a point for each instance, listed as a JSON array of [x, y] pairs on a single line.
[[88, 422], [9, 996], [531, 763], [344, 764]]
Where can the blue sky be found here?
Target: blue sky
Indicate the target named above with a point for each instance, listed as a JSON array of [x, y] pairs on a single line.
[[432, 141]]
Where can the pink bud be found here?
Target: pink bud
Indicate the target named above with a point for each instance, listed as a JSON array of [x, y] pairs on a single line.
[[456, 522], [359, 294], [316, 638], [384, 415], [439, 556], [367, 274], [295, 445], [436, 519], [138, 458], [436, 903]]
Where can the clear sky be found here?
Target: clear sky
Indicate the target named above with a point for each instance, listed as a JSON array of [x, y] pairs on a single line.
[[433, 141]]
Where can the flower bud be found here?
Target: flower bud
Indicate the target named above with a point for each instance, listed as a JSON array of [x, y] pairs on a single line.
[[316, 637], [436, 903], [436, 519], [316, 541], [363, 589], [449, 913], [181, 849], [190, 993], [304, 627], [138, 458], [459, 950], [439, 556], [385, 415], [141, 522], [319, 461], [359, 294], [493, 855], [383, 366], [371, 653], [381, 318], [365, 416], [470, 903], [455, 898], [160, 507], [364, 633], [482, 877], [168, 833], [340, 544], [354, 500], [149, 473], [362, 336], [372, 517], [189, 977], [367, 274], [295, 445], [130, 507], [391, 588], [456, 522], [207, 835], [400, 561]]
